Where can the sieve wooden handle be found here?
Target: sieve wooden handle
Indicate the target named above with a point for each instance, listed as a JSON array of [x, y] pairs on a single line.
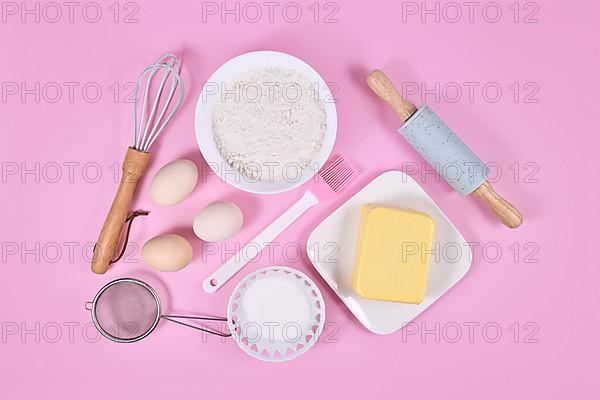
[[133, 167], [506, 212], [384, 88]]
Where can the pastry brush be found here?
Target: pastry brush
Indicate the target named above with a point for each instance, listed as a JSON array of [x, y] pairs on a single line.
[[332, 179]]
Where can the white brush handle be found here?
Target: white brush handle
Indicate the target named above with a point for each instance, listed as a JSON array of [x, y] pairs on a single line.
[[232, 266]]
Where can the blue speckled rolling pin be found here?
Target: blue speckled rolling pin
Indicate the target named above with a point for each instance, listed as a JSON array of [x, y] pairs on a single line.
[[450, 157]]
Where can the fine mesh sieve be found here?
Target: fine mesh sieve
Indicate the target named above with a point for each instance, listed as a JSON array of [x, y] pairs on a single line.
[[127, 310]]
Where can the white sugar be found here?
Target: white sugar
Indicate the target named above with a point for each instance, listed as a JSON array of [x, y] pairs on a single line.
[[279, 306]]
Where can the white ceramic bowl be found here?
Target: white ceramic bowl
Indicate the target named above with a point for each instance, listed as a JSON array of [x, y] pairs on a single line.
[[233, 70]]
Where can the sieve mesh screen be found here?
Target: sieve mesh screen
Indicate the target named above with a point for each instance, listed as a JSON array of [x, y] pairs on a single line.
[[127, 310]]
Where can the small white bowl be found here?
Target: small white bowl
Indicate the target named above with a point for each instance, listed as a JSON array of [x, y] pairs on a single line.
[[235, 69], [261, 336]]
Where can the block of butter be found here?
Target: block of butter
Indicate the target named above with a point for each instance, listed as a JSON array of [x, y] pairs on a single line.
[[393, 251]]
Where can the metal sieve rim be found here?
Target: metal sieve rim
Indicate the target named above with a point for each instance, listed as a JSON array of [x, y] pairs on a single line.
[[93, 305]]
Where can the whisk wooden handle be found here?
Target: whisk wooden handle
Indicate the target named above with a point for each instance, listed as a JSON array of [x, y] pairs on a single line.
[[134, 167]]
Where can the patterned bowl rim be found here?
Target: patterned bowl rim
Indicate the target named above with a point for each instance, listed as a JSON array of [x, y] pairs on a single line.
[[295, 351]]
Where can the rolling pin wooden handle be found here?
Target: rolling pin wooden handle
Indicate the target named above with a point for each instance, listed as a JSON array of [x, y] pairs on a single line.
[[384, 88], [507, 213], [134, 167]]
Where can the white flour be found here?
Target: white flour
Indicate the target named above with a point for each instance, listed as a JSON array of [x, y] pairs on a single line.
[[270, 124]]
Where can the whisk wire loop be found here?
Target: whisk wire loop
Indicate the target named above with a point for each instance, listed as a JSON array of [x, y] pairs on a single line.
[[152, 120]]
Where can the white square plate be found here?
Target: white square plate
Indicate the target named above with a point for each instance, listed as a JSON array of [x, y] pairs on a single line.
[[332, 249]]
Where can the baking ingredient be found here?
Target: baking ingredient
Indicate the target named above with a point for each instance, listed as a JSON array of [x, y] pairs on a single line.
[[277, 301], [270, 124], [218, 221], [168, 253], [174, 182], [393, 251]]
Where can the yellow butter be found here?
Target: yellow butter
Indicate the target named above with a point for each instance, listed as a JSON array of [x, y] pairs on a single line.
[[393, 253]]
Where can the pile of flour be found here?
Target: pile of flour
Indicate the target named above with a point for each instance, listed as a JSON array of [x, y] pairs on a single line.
[[270, 124]]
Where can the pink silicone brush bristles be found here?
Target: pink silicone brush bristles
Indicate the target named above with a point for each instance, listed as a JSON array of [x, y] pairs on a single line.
[[333, 178]]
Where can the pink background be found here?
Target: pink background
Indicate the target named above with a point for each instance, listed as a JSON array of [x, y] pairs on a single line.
[[42, 291]]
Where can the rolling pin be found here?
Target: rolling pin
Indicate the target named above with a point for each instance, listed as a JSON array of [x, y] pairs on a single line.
[[443, 150]]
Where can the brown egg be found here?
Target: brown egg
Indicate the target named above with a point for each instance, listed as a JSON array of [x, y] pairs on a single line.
[[174, 182], [167, 252]]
